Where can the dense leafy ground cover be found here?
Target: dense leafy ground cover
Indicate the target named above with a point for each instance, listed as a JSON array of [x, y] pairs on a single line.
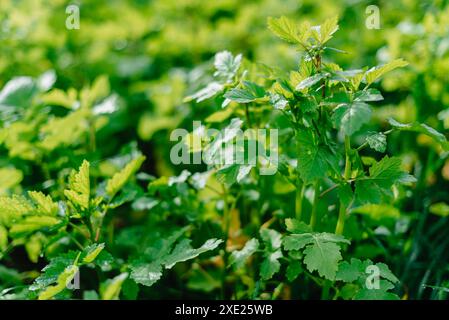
[[94, 206]]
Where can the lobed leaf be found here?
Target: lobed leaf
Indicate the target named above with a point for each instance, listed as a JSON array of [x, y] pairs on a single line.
[[119, 179], [239, 257], [421, 128], [351, 117], [375, 73], [377, 141], [79, 186]]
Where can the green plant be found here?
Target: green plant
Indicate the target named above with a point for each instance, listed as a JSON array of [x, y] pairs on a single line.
[[339, 214], [323, 109], [41, 223]]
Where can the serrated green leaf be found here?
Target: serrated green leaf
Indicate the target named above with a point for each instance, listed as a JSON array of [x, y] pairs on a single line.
[[92, 251], [99, 89], [270, 265], [45, 204], [79, 186], [327, 29], [377, 294], [209, 91], [386, 273], [271, 239], [348, 291], [61, 283], [64, 131], [351, 271], [111, 289], [277, 101], [308, 106], [350, 117], [377, 141], [338, 98], [314, 160], [368, 95], [376, 72], [421, 128], [357, 270], [323, 257], [297, 241], [249, 93], [51, 272], [239, 257], [146, 274], [184, 251], [63, 268], [104, 260], [383, 175], [31, 224], [116, 183], [310, 81], [226, 64], [294, 269], [288, 30], [296, 226], [233, 173], [13, 208], [321, 252]]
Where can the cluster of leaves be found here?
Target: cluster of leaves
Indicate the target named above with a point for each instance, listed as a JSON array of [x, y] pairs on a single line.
[[40, 224], [325, 107]]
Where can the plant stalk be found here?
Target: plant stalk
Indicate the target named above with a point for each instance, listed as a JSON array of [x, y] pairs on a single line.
[[226, 225], [347, 175], [300, 185], [313, 216], [300, 189]]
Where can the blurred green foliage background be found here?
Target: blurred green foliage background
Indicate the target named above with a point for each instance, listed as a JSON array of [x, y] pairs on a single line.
[[155, 53]]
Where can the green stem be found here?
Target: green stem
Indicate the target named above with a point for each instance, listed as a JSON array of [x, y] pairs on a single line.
[[88, 224], [101, 221], [313, 216], [226, 225], [300, 185], [299, 197], [326, 290], [347, 175], [76, 242], [248, 119], [81, 231]]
